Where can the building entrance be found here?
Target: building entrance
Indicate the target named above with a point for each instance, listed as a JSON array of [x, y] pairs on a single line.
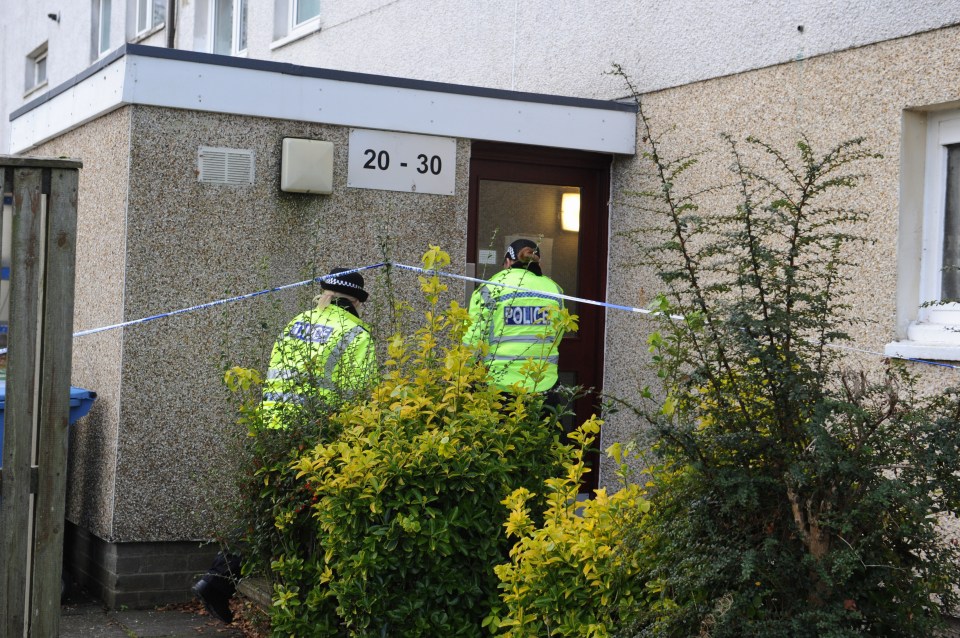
[[560, 199]]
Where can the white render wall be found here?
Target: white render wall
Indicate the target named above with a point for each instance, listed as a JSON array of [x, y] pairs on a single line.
[[558, 47]]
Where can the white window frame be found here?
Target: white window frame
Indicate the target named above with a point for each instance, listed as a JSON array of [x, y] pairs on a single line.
[[35, 63], [294, 6], [236, 29], [942, 130], [933, 329], [144, 13], [286, 28]]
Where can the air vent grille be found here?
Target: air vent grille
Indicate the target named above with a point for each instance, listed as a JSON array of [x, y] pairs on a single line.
[[225, 166]]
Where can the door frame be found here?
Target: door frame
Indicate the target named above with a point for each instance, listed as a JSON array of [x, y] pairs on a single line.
[[534, 164]]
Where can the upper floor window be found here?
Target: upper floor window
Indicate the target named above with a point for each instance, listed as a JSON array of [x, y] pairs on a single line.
[[229, 26], [150, 14], [293, 19], [303, 11], [929, 269], [101, 27], [36, 68]]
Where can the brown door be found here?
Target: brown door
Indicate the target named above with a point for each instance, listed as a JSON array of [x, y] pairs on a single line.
[[560, 199]]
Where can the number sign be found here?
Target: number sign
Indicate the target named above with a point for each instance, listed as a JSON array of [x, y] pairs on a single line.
[[401, 162]]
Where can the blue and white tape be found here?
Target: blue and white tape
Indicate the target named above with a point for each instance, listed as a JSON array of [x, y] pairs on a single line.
[[602, 304]]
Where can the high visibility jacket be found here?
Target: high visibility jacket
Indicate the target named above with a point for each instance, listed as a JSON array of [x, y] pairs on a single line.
[[516, 324], [321, 358]]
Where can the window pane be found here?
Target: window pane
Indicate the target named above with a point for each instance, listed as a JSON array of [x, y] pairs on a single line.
[[159, 12], [950, 282], [104, 25], [306, 9], [142, 11], [242, 26], [223, 27], [41, 75]]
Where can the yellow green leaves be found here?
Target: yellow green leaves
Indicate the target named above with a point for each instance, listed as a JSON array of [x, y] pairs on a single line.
[[669, 406], [433, 287], [245, 384], [435, 258], [569, 577], [561, 321], [239, 379]]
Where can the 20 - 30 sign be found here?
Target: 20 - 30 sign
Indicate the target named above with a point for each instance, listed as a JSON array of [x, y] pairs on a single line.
[[380, 160], [401, 162]]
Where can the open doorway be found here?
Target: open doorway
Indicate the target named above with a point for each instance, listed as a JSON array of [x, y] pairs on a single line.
[[558, 198]]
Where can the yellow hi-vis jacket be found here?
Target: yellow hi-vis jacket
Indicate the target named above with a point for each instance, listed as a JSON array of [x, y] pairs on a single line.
[[322, 358], [516, 325]]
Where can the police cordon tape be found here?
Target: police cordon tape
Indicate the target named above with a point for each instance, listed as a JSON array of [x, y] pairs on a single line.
[[315, 280]]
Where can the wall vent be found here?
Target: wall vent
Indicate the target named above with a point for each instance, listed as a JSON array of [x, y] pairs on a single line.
[[225, 166]]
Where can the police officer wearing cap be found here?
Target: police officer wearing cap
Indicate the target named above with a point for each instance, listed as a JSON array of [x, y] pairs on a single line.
[[516, 324], [324, 356]]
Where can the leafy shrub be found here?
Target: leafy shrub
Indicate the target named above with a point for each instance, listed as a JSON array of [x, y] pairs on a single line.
[[274, 508], [407, 497], [794, 496], [570, 576]]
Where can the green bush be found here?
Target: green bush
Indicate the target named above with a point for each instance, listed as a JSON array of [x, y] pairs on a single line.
[[795, 496], [274, 509], [405, 498], [570, 576]]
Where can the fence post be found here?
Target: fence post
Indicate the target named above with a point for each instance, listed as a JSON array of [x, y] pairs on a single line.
[[36, 414]]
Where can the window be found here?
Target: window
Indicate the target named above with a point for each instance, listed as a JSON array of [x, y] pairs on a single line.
[[228, 20], [932, 293], [150, 14], [303, 11], [293, 19], [36, 68], [101, 27]]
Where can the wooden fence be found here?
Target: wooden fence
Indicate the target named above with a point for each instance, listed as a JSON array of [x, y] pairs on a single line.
[[36, 414]]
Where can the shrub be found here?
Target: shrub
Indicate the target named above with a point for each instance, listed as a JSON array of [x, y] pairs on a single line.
[[273, 509], [408, 496], [570, 576], [795, 496]]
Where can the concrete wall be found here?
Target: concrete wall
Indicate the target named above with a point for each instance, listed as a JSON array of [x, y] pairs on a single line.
[[559, 47], [156, 451], [861, 92], [103, 146]]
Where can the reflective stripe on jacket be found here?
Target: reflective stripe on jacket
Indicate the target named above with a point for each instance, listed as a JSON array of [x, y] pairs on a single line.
[[322, 357], [517, 326]]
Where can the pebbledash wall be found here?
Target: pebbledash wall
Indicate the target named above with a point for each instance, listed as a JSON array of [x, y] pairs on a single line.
[[885, 92], [153, 464], [152, 467]]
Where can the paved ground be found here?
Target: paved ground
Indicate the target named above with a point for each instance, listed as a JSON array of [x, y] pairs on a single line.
[[83, 617]]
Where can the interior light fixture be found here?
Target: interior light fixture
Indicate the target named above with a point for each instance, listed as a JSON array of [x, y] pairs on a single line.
[[570, 212]]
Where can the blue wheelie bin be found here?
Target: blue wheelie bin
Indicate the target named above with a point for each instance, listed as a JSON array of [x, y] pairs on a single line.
[[80, 403]]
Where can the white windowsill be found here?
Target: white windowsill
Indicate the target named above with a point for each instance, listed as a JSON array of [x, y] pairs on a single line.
[[33, 89], [149, 32], [918, 350], [307, 28], [937, 342]]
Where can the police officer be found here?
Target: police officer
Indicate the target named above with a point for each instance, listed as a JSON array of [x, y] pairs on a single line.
[[516, 324], [323, 357]]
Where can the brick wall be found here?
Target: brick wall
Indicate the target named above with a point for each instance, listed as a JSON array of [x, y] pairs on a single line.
[[134, 575]]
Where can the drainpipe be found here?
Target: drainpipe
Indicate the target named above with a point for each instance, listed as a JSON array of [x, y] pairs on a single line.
[[171, 24]]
